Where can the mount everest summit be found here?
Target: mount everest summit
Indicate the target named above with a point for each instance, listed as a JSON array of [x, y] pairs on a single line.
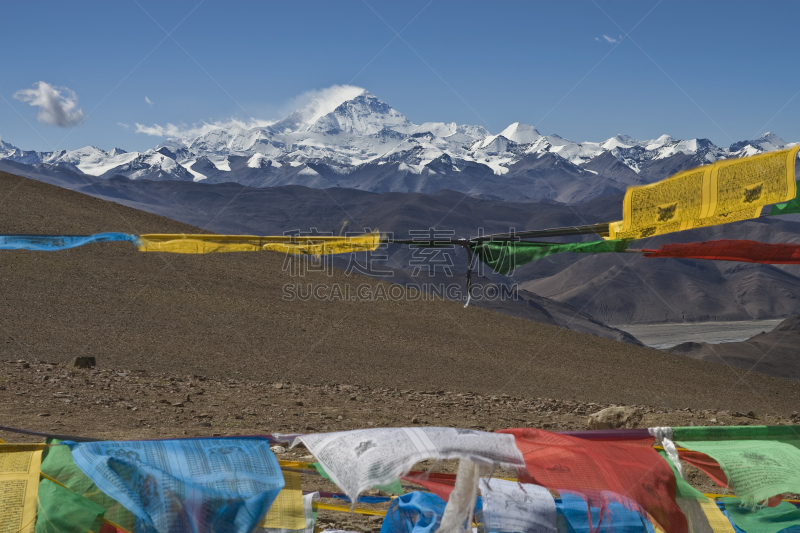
[[355, 140]]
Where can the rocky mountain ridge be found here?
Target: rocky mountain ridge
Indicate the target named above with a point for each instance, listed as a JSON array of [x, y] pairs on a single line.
[[355, 140]]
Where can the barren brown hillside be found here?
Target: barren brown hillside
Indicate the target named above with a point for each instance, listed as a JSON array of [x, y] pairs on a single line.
[[225, 316]]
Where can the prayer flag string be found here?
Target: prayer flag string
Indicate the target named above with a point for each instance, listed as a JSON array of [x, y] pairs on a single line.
[[725, 191]]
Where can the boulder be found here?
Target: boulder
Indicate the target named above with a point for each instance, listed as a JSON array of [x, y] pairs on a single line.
[[84, 362], [615, 417]]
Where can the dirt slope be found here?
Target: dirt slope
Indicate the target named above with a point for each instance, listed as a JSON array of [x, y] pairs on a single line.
[[225, 315]]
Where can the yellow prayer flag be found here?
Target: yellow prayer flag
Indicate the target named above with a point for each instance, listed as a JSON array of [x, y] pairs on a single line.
[[295, 244], [19, 483], [347, 509], [655, 525], [296, 464], [726, 191], [716, 519], [288, 510]]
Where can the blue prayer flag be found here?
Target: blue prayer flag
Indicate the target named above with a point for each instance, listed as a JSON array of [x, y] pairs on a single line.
[[415, 512], [187, 485], [58, 242], [615, 517]]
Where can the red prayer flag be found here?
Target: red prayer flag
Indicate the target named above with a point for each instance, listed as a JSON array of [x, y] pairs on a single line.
[[705, 463], [108, 528], [631, 469], [731, 250], [440, 484]]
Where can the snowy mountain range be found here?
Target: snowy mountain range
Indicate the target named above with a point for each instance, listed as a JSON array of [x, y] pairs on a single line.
[[356, 140]]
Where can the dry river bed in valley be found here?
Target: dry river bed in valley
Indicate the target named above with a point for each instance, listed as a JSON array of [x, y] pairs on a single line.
[[663, 336], [122, 404]]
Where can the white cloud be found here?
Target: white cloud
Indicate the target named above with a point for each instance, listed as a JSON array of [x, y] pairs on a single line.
[[58, 106], [311, 105], [149, 102], [609, 39], [123, 125], [185, 132]]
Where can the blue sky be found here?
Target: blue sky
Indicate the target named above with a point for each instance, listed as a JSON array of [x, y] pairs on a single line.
[[719, 70]]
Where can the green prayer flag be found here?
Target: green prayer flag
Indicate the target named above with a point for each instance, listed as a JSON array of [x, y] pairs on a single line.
[[684, 489], [700, 511], [759, 461], [321, 471], [762, 519], [62, 510], [792, 206], [505, 256], [392, 488], [58, 464]]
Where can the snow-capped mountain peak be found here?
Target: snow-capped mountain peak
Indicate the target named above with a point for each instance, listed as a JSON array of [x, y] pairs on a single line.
[[658, 143], [327, 101], [767, 142], [320, 104], [517, 133], [521, 133], [363, 115], [623, 141], [773, 139]]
